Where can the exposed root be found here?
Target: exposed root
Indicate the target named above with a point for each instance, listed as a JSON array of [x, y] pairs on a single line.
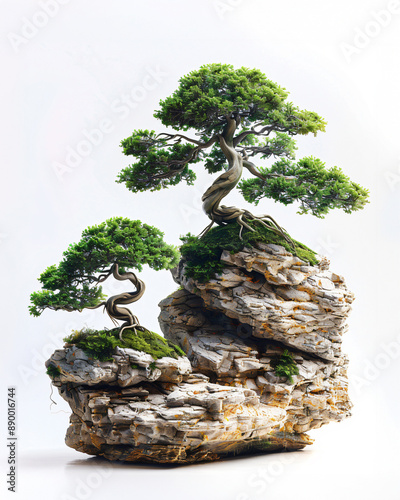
[[206, 229], [224, 215], [51, 394], [134, 326]]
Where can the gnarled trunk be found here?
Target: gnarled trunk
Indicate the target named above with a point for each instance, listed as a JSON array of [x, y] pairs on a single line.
[[113, 304], [224, 184]]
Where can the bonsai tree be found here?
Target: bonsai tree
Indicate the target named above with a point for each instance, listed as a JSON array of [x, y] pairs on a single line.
[[238, 115], [113, 247]]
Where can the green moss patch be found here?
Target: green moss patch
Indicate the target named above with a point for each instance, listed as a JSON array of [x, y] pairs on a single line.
[[53, 371], [203, 254], [285, 366], [100, 344]]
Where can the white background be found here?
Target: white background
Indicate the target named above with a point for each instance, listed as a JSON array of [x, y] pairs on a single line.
[[61, 77]]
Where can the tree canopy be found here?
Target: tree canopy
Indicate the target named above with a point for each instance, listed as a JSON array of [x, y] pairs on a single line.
[[74, 284], [237, 114]]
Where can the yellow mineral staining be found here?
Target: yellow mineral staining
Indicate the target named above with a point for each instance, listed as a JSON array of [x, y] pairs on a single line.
[[96, 440]]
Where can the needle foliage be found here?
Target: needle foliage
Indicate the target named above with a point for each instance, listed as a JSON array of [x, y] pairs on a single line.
[[73, 284]]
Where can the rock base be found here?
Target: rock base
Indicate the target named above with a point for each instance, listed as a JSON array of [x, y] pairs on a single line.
[[225, 398], [192, 422]]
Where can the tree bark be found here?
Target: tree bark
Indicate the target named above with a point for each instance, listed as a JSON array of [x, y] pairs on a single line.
[[112, 304], [224, 184]]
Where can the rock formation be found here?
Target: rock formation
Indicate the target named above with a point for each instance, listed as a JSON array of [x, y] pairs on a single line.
[[158, 411], [267, 300], [227, 396]]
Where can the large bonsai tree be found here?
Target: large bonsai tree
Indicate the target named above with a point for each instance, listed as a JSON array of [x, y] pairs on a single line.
[[110, 248], [238, 115]]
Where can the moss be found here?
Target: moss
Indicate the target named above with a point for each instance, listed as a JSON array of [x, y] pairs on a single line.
[[96, 344], [152, 366], [101, 344], [134, 367], [53, 371], [151, 343], [285, 366], [203, 254]]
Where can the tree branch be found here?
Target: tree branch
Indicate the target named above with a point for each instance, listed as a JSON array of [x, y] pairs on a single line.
[[265, 131], [253, 170], [232, 122], [169, 137], [182, 163], [265, 150], [239, 138]]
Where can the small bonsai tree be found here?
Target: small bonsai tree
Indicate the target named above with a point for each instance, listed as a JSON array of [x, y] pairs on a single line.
[[113, 247], [238, 115]]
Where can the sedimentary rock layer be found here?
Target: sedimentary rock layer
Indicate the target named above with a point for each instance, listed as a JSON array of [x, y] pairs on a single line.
[[159, 421], [279, 297], [265, 301], [225, 398]]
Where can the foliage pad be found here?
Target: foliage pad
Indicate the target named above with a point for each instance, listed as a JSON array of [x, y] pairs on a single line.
[[308, 181], [73, 284], [244, 109]]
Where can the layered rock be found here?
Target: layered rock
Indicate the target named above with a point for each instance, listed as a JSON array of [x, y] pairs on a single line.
[[166, 415], [280, 297], [267, 300], [226, 397], [127, 367]]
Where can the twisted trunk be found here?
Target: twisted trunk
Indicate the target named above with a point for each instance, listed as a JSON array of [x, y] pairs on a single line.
[[227, 181], [224, 184], [113, 304]]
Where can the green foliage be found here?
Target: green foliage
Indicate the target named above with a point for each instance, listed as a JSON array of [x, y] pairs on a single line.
[[101, 344], [280, 145], [206, 100], [73, 284], [203, 254], [202, 101], [206, 96], [53, 371], [285, 366], [308, 181], [156, 159], [215, 160]]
